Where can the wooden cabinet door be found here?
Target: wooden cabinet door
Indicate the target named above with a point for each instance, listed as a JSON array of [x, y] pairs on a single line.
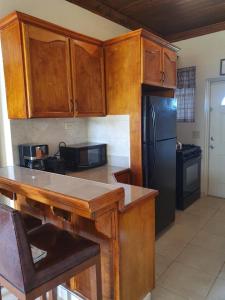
[[48, 73], [88, 78], [169, 68], [151, 63]]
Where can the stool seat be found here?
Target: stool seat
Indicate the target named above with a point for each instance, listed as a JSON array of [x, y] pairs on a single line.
[[37, 261], [64, 251]]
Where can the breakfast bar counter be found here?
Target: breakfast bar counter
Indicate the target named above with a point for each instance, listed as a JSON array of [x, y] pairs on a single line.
[[119, 217]]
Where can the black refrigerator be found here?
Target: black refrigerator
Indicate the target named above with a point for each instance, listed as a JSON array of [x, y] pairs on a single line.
[[159, 154]]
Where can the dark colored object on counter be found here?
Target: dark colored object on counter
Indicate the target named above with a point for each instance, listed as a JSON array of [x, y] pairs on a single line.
[[33, 156], [83, 156], [64, 256], [159, 155], [188, 175], [55, 165]]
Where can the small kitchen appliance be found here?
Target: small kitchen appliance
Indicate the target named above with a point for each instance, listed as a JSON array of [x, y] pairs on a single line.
[[83, 156], [33, 156]]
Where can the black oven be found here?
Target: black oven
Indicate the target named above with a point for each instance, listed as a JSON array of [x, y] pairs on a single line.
[[188, 175]]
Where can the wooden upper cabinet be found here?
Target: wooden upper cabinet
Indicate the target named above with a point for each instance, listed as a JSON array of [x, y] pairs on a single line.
[[88, 78], [159, 64], [48, 73], [169, 68], [151, 63]]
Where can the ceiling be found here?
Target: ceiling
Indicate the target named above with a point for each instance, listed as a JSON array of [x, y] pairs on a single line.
[[172, 19]]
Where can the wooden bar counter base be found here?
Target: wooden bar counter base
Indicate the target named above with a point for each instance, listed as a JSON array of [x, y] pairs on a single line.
[[121, 218]]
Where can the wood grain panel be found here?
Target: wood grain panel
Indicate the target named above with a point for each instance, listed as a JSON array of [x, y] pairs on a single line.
[[14, 71], [88, 78], [168, 18], [152, 68], [47, 58], [100, 8], [122, 63], [169, 68], [123, 88], [137, 267]]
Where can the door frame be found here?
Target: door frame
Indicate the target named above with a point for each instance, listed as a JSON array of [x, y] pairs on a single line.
[[209, 82]]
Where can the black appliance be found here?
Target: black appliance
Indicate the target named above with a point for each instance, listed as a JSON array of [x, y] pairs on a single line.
[[188, 175], [55, 165], [159, 154], [33, 156], [83, 156]]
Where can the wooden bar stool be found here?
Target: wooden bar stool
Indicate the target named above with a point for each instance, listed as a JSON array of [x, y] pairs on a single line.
[[65, 256], [29, 221]]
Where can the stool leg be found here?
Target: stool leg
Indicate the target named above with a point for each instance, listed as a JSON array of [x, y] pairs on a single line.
[[43, 297], [53, 294], [98, 278]]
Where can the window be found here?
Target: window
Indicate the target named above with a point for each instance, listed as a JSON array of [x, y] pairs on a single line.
[[185, 94]]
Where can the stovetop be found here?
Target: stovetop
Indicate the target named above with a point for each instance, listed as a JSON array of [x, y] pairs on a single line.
[[189, 150]]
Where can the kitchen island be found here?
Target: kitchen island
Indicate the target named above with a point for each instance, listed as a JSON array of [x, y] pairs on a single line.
[[121, 218]]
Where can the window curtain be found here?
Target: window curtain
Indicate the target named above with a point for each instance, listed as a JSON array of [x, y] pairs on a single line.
[[185, 94]]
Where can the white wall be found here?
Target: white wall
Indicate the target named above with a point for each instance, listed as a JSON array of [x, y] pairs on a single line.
[[65, 14], [205, 53], [52, 131]]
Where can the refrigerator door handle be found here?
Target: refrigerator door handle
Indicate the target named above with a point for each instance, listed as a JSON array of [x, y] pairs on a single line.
[[154, 141]]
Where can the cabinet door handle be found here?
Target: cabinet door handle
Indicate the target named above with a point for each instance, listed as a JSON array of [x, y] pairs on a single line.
[[152, 51], [163, 76]]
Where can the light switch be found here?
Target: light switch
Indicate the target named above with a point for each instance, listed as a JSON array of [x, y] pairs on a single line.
[[68, 126], [196, 134]]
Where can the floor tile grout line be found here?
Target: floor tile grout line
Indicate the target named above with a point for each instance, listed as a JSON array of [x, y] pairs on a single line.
[[186, 244], [174, 292], [190, 243]]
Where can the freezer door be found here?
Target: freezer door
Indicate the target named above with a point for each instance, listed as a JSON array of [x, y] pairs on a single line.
[[159, 170], [158, 118]]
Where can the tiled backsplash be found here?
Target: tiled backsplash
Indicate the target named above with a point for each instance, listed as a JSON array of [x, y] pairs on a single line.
[[115, 132], [47, 131], [112, 130]]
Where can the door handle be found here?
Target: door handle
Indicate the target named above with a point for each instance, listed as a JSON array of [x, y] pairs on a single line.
[[212, 138], [211, 147]]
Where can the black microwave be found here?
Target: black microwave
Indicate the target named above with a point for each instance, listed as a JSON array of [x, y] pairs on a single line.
[[83, 156]]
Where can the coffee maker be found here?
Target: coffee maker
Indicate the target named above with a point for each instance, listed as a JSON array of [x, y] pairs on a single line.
[[33, 156]]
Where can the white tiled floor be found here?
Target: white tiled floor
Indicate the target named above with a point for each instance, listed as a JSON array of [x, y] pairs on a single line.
[[190, 256]]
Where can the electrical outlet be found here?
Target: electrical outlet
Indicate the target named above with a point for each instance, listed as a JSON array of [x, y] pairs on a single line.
[[196, 134], [68, 126]]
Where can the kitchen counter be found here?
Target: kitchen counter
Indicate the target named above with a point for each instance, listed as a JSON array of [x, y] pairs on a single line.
[[81, 194], [106, 174], [103, 174], [120, 217]]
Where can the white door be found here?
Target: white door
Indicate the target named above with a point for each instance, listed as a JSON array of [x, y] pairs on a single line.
[[217, 140]]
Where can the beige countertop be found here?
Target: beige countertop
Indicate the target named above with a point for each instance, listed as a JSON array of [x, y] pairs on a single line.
[[105, 174], [85, 190]]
